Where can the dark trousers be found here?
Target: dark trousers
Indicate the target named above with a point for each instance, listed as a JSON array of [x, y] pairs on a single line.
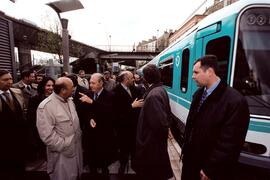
[[126, 138], [148, 176], [189, 172], [12, 171]]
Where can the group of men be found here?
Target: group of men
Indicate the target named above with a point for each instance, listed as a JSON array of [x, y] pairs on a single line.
[[215, 129]]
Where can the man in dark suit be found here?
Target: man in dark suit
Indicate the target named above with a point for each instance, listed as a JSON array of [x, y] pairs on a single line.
[[99, 127], [216, 126], [126, 106], [12, 129], [81, 107]]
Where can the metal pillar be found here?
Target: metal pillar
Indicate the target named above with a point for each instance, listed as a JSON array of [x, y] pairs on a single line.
[[65, 45], [24, 53]]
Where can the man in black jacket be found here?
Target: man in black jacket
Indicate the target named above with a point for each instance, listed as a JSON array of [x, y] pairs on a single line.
[[12, 129], [126, 106], [100, 147], [216, 126], [81, 107]]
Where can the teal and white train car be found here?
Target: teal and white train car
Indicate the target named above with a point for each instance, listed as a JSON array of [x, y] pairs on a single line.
[[239, 35]]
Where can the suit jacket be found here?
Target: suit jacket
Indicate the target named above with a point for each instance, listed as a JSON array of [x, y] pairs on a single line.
[[12, 130], [36, 148], [101, 144], [214, 136], [81, 107], [125, 115]]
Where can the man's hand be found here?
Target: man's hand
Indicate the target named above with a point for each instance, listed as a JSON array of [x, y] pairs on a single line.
[[85, 98], [203, 175], [93, 124], [137, 103]]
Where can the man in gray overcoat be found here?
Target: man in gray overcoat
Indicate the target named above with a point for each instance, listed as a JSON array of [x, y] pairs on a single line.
[[59, 128]]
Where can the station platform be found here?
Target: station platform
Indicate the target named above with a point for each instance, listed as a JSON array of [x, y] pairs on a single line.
[[173, 149]]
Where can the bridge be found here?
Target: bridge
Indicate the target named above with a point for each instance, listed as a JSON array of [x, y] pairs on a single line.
[[28, 36], [90, 60]]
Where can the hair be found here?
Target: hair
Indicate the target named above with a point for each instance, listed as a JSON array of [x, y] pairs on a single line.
[[100, 77], [58, 87], [26, 73], [74, 79], [64, 74], [208, 61], [151, 74], [40, 75], [107, 72], [81, 71], [122, 76], [42, 84], [3, 72]]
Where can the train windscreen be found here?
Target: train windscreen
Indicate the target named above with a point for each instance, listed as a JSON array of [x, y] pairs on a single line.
[[252, 66]]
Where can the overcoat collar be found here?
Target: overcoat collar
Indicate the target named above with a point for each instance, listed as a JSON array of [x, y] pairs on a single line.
[[150, 88]]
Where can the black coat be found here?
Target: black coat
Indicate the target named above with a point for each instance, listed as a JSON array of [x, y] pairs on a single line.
[[12, 136], [82, 108], [126, 118], [36, 148], [215, 135], [100, 140], [151, 155], [124, 113]]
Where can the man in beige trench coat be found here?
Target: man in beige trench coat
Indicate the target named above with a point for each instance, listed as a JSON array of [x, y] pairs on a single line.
[[59, 128]]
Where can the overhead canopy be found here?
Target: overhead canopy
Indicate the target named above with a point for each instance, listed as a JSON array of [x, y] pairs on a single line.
[[65, 5]]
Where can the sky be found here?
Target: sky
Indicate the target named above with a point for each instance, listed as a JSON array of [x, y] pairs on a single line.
[[110, 22]]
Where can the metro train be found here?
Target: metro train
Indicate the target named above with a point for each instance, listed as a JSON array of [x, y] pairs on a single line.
[[239, 35]]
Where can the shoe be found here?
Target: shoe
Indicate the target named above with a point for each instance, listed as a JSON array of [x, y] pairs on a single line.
[[93, 170], [105, 171], [121, 169]]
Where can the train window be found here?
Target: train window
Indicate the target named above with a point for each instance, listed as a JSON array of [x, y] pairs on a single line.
[[184, 71], [166, 70], [221, 48]]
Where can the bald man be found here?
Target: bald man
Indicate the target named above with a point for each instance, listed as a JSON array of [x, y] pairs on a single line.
[[59, 128], [126, 104]]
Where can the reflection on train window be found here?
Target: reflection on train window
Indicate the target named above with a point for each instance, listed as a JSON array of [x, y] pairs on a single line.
[[252, 63], [221, 48], [184, 71], [166, 70]]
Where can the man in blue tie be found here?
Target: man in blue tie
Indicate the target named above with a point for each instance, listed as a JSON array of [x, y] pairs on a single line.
[[216, 126], [100, 148]]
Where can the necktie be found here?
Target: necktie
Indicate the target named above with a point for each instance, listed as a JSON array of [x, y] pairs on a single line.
[[204, 95], [28, 87], [95, 96], [9, 101], [83, 81]]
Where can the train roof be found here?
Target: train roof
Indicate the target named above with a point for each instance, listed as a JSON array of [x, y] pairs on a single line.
[[227, 11]]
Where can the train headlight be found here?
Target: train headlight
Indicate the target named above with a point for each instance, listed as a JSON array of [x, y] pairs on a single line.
[[261, 20], [251, 19]]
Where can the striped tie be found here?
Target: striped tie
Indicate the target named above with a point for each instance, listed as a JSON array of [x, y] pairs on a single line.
[[95, 96], [204, 95], [9, 101]]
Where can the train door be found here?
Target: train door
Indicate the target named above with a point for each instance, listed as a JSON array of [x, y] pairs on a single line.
[[212, 40]]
